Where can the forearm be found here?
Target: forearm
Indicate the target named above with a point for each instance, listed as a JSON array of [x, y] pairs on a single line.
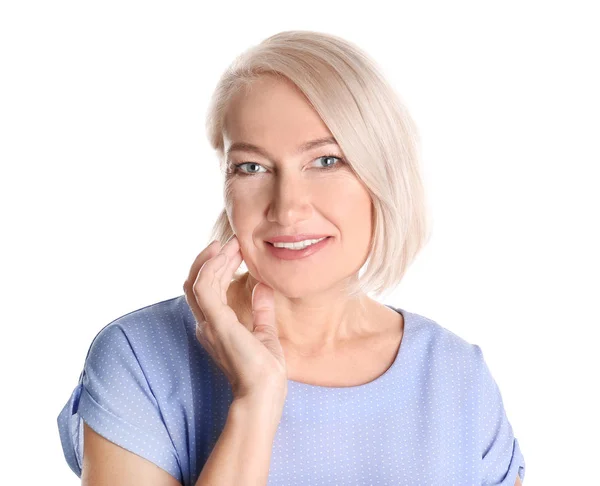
[[242, 454]]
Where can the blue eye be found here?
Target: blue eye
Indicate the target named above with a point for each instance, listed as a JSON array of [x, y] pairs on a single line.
[[237, 167], [331, 157]]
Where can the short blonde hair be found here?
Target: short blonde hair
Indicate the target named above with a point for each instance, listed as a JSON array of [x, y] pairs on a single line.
[[371, 125]]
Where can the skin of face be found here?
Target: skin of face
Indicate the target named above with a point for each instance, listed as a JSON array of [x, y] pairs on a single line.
[[287, 193]]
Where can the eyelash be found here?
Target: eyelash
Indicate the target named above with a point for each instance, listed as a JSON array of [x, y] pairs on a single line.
[[236, 167]]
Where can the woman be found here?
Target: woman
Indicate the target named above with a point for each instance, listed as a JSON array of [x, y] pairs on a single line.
[[290, 373]]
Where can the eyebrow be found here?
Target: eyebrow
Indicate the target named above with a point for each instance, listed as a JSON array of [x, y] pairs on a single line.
[[311, 144]]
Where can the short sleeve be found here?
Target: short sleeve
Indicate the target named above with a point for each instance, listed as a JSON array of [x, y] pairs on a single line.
[[114, 398], [501, 454]]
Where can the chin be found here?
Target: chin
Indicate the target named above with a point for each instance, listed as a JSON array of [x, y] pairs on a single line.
[[293, 287]]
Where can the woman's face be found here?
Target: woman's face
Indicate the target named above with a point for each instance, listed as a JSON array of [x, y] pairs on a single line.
[[285, 192]]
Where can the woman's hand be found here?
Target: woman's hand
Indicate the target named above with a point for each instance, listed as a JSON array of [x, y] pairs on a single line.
[[253, 362]]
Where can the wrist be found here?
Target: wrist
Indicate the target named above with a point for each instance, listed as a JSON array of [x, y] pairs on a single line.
[[265, 409]]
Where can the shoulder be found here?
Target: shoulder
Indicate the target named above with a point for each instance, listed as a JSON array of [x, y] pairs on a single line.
[[134, 367], [161, 322], [440, 349], [150, 341], [431, 336]]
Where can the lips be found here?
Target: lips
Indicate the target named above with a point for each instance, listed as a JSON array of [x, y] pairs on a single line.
[[294, 238], [302, 255]]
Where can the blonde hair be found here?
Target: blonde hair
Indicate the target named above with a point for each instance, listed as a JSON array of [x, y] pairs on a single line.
[[371, 125]]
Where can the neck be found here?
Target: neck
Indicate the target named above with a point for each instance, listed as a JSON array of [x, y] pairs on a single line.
[[318, 324]]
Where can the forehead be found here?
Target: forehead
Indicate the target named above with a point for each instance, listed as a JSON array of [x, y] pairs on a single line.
[[273, 113]]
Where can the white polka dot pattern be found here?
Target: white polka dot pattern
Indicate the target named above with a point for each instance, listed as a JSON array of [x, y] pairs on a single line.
[[435, 417]]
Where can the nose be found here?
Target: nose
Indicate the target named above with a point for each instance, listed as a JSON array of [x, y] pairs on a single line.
[[290, 202]]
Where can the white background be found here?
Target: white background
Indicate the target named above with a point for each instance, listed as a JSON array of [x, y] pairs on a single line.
[[109, 190]]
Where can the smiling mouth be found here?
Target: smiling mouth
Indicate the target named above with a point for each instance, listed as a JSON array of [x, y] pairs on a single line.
[[302, 247], [297, 253]]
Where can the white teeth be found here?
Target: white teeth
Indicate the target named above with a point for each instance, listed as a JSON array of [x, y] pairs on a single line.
[[299, 245]]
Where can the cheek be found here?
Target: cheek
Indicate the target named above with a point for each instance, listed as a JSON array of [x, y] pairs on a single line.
[[350, 200], [354, 217], [243, 202], [341, 199], [244, 220], [242, 214]]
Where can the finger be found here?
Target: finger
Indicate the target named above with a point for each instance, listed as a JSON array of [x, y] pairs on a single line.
[[214, 248], [230, 250], [231, 247], [202, 257], [213, 270], [211, 250], [263, 309], [218, 279], [207, 292], [230, 267], [234, 260]]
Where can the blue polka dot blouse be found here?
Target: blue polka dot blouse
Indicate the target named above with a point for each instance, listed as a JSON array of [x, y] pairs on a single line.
[[435, 417]]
